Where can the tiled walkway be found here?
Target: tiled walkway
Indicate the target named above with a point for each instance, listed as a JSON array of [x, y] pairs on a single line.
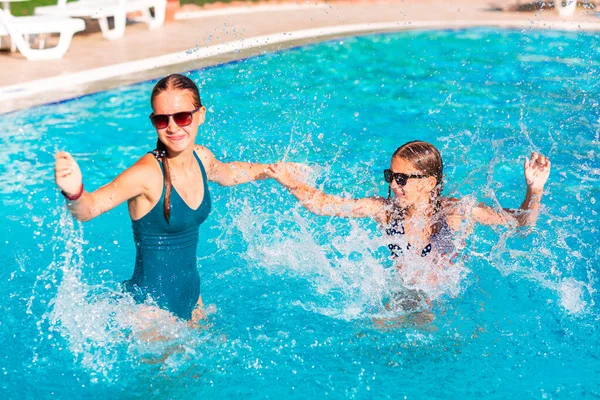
[[91, 51]]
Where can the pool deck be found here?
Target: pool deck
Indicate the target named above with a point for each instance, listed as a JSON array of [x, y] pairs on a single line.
[[219, 34]]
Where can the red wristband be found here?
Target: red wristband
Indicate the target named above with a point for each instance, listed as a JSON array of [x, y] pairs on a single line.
[[74, 197]]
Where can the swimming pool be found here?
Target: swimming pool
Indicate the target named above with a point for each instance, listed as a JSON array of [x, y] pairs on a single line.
[[293, 295]]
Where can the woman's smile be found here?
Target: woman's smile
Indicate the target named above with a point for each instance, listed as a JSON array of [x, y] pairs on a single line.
[[176, 138]]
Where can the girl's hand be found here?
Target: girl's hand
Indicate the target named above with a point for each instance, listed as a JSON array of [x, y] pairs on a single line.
[[287, 174], [537, 171], [67, 173]]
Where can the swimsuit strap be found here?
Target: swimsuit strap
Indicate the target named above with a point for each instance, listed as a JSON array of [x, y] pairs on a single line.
[[156, 155], [202, 170]]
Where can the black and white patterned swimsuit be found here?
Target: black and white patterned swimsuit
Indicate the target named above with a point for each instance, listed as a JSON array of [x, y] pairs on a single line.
[[441, 240]]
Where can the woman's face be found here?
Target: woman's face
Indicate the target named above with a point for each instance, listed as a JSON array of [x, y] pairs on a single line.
[[416, 190], [177, 138]]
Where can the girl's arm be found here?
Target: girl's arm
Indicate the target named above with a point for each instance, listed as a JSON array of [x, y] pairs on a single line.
[[537, 171], [131, 183], [232, 173], [320, 203]]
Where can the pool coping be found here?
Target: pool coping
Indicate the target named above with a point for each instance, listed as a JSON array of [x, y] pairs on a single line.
[[51, 90], [247, 9]]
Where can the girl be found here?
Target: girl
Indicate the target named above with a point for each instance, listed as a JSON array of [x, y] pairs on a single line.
[[419, 222]]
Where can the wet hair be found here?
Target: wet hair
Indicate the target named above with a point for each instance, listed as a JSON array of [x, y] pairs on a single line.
[[171, 82], [427, 159]]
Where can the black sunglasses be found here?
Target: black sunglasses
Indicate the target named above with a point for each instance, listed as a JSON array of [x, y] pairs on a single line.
[[182, 118], [399, 177]]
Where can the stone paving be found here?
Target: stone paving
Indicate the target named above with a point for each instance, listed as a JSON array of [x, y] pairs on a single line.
[[90, 50]]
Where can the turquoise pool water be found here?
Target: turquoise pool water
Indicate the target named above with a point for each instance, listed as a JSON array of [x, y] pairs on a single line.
[[293, 296]]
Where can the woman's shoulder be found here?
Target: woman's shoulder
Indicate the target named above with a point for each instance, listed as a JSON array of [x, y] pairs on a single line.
[[145, 166], [205, 154], [145, 172], [147, 160], [202, 150]]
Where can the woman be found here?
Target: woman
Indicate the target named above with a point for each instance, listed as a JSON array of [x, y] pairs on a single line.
[[418, 221], [167, 195]]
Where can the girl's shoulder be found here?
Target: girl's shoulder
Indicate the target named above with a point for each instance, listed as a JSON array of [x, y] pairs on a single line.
[[390, 212], [450, 201], [454, 212]]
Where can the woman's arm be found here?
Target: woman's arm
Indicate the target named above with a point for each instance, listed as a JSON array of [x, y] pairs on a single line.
[[232, 173], [131, 183], [320, 203], [537, 171]]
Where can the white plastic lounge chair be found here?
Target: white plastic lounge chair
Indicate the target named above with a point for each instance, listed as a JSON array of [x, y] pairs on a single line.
[[104, 9], [18, 28], [566, 10]]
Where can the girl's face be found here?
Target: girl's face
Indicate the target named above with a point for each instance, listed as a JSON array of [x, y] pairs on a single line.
[[416, 191], [177, 138]]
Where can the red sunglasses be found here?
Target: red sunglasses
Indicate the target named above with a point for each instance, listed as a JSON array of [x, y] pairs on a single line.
[[182, 118]]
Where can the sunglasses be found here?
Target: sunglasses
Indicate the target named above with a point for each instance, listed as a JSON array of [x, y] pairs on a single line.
[[182, 118], [399, 177]]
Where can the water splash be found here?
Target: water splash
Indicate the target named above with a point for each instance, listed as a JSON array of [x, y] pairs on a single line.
[[571, 293], [102, 327], [346, 262]]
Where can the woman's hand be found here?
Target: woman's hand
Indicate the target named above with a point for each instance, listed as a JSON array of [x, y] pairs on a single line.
[[67, 173], [537, 171], [288, 174]]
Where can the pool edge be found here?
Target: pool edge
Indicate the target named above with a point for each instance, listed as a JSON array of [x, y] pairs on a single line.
[[52, 90]]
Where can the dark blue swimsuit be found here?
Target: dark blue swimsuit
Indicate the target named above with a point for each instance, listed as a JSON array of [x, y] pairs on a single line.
[[165, 262]]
